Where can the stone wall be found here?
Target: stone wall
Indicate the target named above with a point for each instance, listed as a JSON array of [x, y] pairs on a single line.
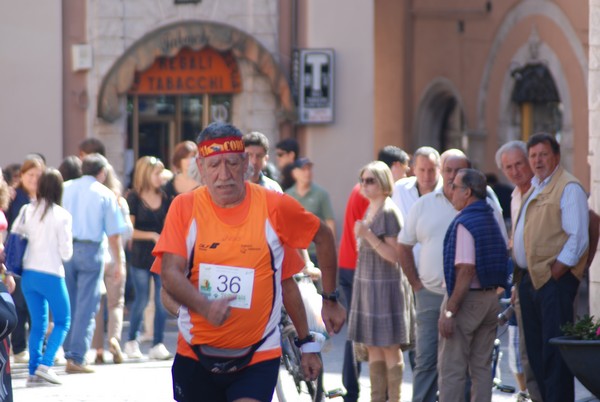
[[115, 25]]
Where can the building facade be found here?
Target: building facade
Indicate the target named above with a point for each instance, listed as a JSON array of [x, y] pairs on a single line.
[[142, 75]]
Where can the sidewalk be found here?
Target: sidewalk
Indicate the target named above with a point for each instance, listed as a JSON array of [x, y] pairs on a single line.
[[147, 380]]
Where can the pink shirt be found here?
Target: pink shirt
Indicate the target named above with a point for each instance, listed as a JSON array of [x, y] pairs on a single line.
[[465, 251]]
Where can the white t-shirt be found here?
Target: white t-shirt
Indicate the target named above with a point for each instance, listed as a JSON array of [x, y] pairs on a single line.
[[426, 224], [405, 195]]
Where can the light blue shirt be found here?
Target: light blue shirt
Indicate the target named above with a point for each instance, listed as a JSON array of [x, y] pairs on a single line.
[[94, 209], [574, 220]]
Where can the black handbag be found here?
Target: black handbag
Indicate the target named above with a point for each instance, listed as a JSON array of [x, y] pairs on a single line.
[[14, 250]]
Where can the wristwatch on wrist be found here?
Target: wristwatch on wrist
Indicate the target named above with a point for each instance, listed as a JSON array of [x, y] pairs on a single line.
[[306, 339], [448, 313], [333, 296]]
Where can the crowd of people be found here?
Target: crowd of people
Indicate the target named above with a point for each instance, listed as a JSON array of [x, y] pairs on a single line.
[[424, 254]]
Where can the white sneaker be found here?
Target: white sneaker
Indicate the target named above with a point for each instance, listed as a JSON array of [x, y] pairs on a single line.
[[159, 352], [34, 381], [132, 350], [59, 357], [22, 357], [47, 374]]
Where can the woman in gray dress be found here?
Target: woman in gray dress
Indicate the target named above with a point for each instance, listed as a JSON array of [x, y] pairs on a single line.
[[377, 314]]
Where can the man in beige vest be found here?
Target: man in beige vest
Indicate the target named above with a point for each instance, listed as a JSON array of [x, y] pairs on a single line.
[[550, 245]]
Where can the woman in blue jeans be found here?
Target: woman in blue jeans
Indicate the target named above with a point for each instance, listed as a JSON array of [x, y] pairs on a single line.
[[148, 206], [48, 228]]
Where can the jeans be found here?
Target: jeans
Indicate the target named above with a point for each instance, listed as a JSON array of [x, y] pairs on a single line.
[[544, 311], [141, 283], [83, 275], [350, 368], [42, 290], [425, 376]]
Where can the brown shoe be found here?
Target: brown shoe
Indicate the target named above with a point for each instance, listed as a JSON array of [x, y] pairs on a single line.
[[99, 358], [74, 368], [115, 349]]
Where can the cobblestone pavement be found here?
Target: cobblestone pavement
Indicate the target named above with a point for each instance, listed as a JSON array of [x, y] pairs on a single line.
[[147, 380]]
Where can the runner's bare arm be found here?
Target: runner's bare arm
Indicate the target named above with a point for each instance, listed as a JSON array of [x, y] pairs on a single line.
[[292, 301], [183, 292], [334, 314], [168, 302]]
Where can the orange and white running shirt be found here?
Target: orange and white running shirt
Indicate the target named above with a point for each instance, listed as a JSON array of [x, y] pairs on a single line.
[[237, 250]]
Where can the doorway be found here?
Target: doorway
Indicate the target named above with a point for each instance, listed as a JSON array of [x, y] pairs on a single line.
[[156, 123]]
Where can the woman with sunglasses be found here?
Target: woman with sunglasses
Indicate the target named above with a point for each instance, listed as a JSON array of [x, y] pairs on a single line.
[[148, 206], [377, 314]]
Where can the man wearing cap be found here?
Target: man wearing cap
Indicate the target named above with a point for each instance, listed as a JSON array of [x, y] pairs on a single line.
[[311, 196], [228, 238]]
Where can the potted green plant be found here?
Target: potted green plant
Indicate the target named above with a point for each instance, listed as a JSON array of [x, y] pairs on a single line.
[[580, 349]]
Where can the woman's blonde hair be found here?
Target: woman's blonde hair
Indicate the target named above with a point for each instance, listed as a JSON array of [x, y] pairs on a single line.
[[112, 181], [143, 173], [382, 174]]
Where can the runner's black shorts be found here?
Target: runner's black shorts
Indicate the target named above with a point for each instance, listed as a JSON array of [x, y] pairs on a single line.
[[193, 383]]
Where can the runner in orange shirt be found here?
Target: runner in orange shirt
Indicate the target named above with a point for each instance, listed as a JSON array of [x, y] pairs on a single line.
[[222, 250]]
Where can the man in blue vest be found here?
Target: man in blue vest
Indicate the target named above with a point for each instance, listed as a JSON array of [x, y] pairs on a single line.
[[475, 258]]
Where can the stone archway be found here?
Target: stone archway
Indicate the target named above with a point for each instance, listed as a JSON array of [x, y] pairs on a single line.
[[168, 40], [440, 118]]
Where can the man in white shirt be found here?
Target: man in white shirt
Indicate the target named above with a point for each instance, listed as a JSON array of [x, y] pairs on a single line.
[[511, 158], [426, 225], [427, 178]]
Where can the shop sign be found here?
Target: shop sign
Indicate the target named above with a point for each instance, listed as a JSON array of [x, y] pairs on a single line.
[[190, 72], [313, 76]]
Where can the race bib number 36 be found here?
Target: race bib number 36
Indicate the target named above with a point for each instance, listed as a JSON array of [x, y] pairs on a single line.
[[218, 281]]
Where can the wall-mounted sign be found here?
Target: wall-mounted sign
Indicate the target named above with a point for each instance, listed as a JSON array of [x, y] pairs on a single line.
[[313, 75], [190, 72]]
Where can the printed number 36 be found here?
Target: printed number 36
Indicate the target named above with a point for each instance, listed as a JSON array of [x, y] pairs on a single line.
[[227, 284]]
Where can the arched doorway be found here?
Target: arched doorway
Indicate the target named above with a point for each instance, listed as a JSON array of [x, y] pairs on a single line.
[[440, 119]]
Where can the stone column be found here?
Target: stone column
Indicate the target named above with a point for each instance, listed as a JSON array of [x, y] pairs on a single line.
[[594, 140]]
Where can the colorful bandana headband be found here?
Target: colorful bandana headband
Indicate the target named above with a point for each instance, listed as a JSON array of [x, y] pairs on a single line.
[[224, 145]]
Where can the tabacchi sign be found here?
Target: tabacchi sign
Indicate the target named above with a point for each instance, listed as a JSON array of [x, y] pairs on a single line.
[[313, 74], [190, 72]]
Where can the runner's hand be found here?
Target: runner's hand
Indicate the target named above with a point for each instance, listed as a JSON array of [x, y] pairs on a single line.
[[219, 310], [334, 316], [311, 365]]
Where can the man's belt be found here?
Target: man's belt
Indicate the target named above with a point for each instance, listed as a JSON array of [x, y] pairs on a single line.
[[85, 241], [486, 289]]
